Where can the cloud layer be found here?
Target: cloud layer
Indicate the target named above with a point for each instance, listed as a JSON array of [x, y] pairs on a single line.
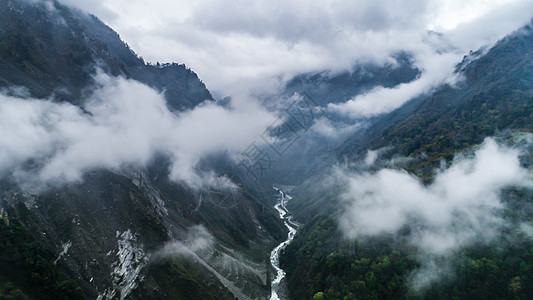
[[240, 47], [197, 238], [461, 207], [122, 123]]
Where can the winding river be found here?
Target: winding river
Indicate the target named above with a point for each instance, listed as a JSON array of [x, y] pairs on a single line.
[[283, 198]]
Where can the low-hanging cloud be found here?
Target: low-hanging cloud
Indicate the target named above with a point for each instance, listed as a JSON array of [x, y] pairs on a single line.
[[324, 127], [197, 238], [122, 123], [461, 207], [436, 70], [238, 47]]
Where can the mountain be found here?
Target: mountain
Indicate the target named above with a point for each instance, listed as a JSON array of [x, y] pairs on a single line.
[[52, 50], [129, 232], [423, 138]]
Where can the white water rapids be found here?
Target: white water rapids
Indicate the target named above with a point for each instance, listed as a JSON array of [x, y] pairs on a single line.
[[274, 255]]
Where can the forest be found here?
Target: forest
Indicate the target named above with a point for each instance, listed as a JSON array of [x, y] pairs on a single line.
[[28, 267]]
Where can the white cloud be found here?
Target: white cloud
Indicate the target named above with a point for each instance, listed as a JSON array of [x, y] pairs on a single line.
[[436, 68], [508, 15], [451, 13], [324, 127], [239, 46], [371, 157], [461, 207], [123, 123], [197, 238]]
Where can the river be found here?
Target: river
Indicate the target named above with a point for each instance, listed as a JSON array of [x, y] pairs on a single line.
[[283, 198]]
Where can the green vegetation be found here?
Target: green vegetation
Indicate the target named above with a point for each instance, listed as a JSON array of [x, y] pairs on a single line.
[[439, 132], [320, 263], [27, 268], [331, 269]]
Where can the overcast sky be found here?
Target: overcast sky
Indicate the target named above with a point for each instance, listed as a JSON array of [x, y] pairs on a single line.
[[237, 46]]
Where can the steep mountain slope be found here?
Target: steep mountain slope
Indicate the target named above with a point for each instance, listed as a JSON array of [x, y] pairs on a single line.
[[52, 50], [130, 231], [495, 99]]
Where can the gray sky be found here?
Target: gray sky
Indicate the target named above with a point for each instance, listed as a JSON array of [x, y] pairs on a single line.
[[240, 46]]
